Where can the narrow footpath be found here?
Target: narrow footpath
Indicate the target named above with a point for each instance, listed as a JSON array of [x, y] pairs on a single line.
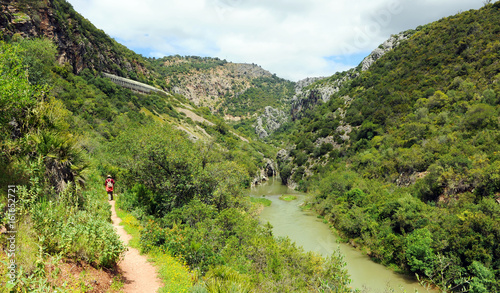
[[139, 275]]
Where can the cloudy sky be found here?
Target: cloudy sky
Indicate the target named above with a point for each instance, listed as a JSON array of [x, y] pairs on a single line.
[[292, 38]]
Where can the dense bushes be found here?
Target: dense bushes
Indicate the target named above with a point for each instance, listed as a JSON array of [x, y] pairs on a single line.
[[432, 95], [77, 234], [174, 170], [209, 240], [416, 183], [190, 200], [446, 243], [55, 217], [265, 91]]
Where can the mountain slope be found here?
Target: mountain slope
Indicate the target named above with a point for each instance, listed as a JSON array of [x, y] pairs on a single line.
[[241, 93], [444, 69], [85, 51], [79, 42], [404, 158], [230, 89], [62, 133], [313, 91]]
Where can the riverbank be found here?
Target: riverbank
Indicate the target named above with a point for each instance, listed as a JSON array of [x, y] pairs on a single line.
[[307, 230]]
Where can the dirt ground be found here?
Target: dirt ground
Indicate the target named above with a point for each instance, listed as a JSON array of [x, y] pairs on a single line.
[[138, 274]]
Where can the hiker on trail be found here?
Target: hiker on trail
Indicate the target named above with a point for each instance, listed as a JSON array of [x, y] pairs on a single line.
[[109, 183]]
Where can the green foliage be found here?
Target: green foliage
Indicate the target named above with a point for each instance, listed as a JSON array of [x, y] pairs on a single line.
[[434, 93], [483, 280], [480, 116], [301, 159], [250, 155], [416, 183], [437, 242], [102, 53], [175, 65], [285, 172], [188, 195], [288, 197], [419, 253], [413, 182], [45, 161], [39, 60], [76, 234], [18, 96], [190, 199], [163, 160], [174, 273], [355, 196], [265, 91], [177, 276], [235, 252], [225, 279], [172, 172], [262, 201]]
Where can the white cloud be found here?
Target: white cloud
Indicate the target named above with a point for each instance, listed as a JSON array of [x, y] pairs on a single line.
[[292, 38]]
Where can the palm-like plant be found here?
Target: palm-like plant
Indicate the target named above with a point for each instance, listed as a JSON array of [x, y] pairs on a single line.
[[63, 161]]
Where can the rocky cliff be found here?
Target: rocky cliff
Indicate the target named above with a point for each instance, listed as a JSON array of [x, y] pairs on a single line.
[[209, 87], [385, 47], [79, 42], [235, 91], [221, 86], [270, 121], [312, 91], [319, 91]]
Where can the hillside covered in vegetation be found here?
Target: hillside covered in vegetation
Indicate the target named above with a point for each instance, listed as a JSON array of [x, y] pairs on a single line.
[[404, 158], [180, 171], [238, 90]]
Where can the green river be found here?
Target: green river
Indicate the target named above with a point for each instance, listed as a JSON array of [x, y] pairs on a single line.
[[312, 234]]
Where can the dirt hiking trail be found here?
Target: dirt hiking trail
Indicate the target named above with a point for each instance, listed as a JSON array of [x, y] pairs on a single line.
[[138, 274]]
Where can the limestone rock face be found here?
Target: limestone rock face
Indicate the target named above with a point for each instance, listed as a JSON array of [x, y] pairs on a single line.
[[208, 88], [311, 91], [306, 82], [271, 169], [270, 121], [282, 155], [259, 129], [320, 92], [385, 47], [76, 45]]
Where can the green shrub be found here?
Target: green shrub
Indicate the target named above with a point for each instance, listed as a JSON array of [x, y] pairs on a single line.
[[76, 234]]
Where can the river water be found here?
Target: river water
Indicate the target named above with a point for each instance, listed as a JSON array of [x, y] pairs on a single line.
[[305, 229]]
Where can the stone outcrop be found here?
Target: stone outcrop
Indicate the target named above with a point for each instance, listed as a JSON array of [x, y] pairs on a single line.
[[318, 92], [306, 82], [270, 121], [209, 87], [259, 129], [270, 169], [282, 155], [329, 140], [77, 45], [385, 47], [259, 178], [311, 91]]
